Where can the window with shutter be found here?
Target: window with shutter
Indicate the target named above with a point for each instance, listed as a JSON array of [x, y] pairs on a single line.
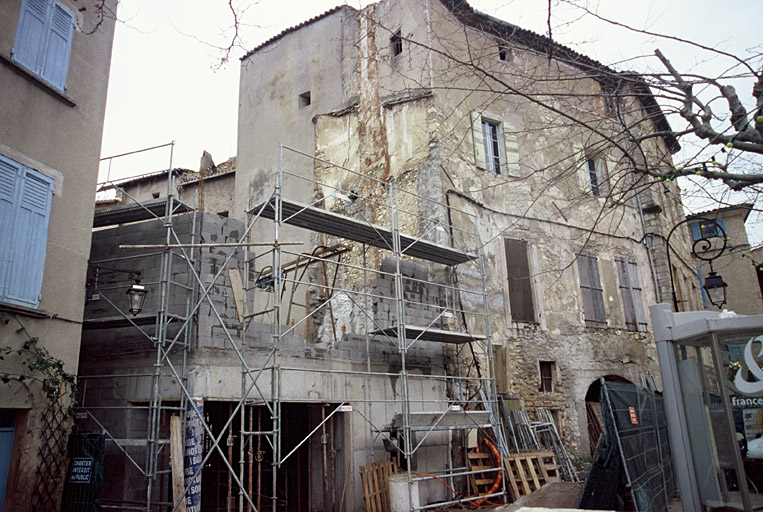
[[630, 291], [708, 229], [520, 285], [43, 40], [591, 290], [25, 197]]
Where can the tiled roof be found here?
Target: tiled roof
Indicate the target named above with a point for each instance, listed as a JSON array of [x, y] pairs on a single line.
[[295, 28]]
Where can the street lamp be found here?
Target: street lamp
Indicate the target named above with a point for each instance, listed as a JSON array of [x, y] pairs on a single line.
[[136, 293], [705, 250], [715, 287], [137, 296]]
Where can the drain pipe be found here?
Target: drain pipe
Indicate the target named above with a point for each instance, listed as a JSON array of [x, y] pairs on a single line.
[[646, 238]]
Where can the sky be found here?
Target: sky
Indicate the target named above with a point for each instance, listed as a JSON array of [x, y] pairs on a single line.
[[169, 81]]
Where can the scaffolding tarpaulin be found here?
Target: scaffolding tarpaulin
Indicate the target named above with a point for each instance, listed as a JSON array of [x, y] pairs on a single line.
[[635, 418], [194, 448]]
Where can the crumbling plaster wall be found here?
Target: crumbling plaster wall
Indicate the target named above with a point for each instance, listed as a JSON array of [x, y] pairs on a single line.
[[543, 203]]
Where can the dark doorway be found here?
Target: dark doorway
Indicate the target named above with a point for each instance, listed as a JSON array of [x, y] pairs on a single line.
[[593, 409], [306, 480]]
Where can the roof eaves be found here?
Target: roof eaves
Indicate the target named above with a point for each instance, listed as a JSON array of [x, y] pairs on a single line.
[[295, 28], [469, 16]]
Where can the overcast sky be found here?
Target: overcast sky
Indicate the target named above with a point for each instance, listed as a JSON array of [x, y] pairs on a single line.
[[168, 82]]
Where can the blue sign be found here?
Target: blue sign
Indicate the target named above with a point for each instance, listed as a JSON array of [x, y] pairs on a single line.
[[194, 454], [81, 470]]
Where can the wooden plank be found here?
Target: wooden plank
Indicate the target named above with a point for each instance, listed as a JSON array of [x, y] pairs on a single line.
[[176, 461], [364, 486], [237, 287], [522, 477], [513, 489], [377, 491], [531, 470]]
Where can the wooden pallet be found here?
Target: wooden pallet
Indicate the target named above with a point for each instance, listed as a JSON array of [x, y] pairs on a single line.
[[481, 482], [375, 481], [528, 471]]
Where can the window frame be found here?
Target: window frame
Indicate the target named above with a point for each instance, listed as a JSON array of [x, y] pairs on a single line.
[[710, 231], [547, 377], [43, 41], [396, 43], [495, 152], [598, 177], [26, 197]]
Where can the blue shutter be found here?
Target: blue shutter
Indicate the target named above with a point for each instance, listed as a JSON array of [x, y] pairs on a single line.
[[695, 232], [10, 173], [722, 224], [55, 62], [30, 34], [29, 239]]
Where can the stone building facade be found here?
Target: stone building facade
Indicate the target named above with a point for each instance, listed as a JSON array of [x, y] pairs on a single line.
[[545, 146], [54, 68]]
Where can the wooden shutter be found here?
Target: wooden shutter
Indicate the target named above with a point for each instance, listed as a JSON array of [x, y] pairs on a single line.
[[581, 163], [591, 290], [630, 291], [25, 217], [638, 306], [520, 286], [30, 34], [512, 149], [58, 42], [9, 176], [479, 140]]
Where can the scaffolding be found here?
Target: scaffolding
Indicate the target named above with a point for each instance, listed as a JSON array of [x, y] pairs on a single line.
[[412, 341]]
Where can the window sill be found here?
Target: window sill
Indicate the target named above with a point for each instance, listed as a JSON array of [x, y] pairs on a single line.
[[25, 311], [37, 81]]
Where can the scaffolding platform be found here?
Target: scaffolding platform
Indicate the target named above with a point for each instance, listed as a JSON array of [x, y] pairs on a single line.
[[331, 223], [429, 334], [451, 419], [135, 212]]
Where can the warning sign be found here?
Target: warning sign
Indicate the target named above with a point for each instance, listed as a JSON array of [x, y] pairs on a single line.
[[81, 470], [634, 418]]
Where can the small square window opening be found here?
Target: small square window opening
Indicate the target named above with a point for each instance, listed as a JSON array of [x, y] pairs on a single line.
[[304, 99], [396, 42], [503, 51]]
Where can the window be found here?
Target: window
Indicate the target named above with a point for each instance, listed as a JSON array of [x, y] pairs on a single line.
[[496, 148], [547, 371], [630, 291], [598, 184], [491, 133], [708, 229], [304, 99], [503, 51], [44, 39], [591, 290], [396, 42], [520, 286], [25, 197]]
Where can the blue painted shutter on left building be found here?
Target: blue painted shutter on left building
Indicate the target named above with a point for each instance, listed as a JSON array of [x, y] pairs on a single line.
[[25, 199], [55, 62], [43, 40]]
